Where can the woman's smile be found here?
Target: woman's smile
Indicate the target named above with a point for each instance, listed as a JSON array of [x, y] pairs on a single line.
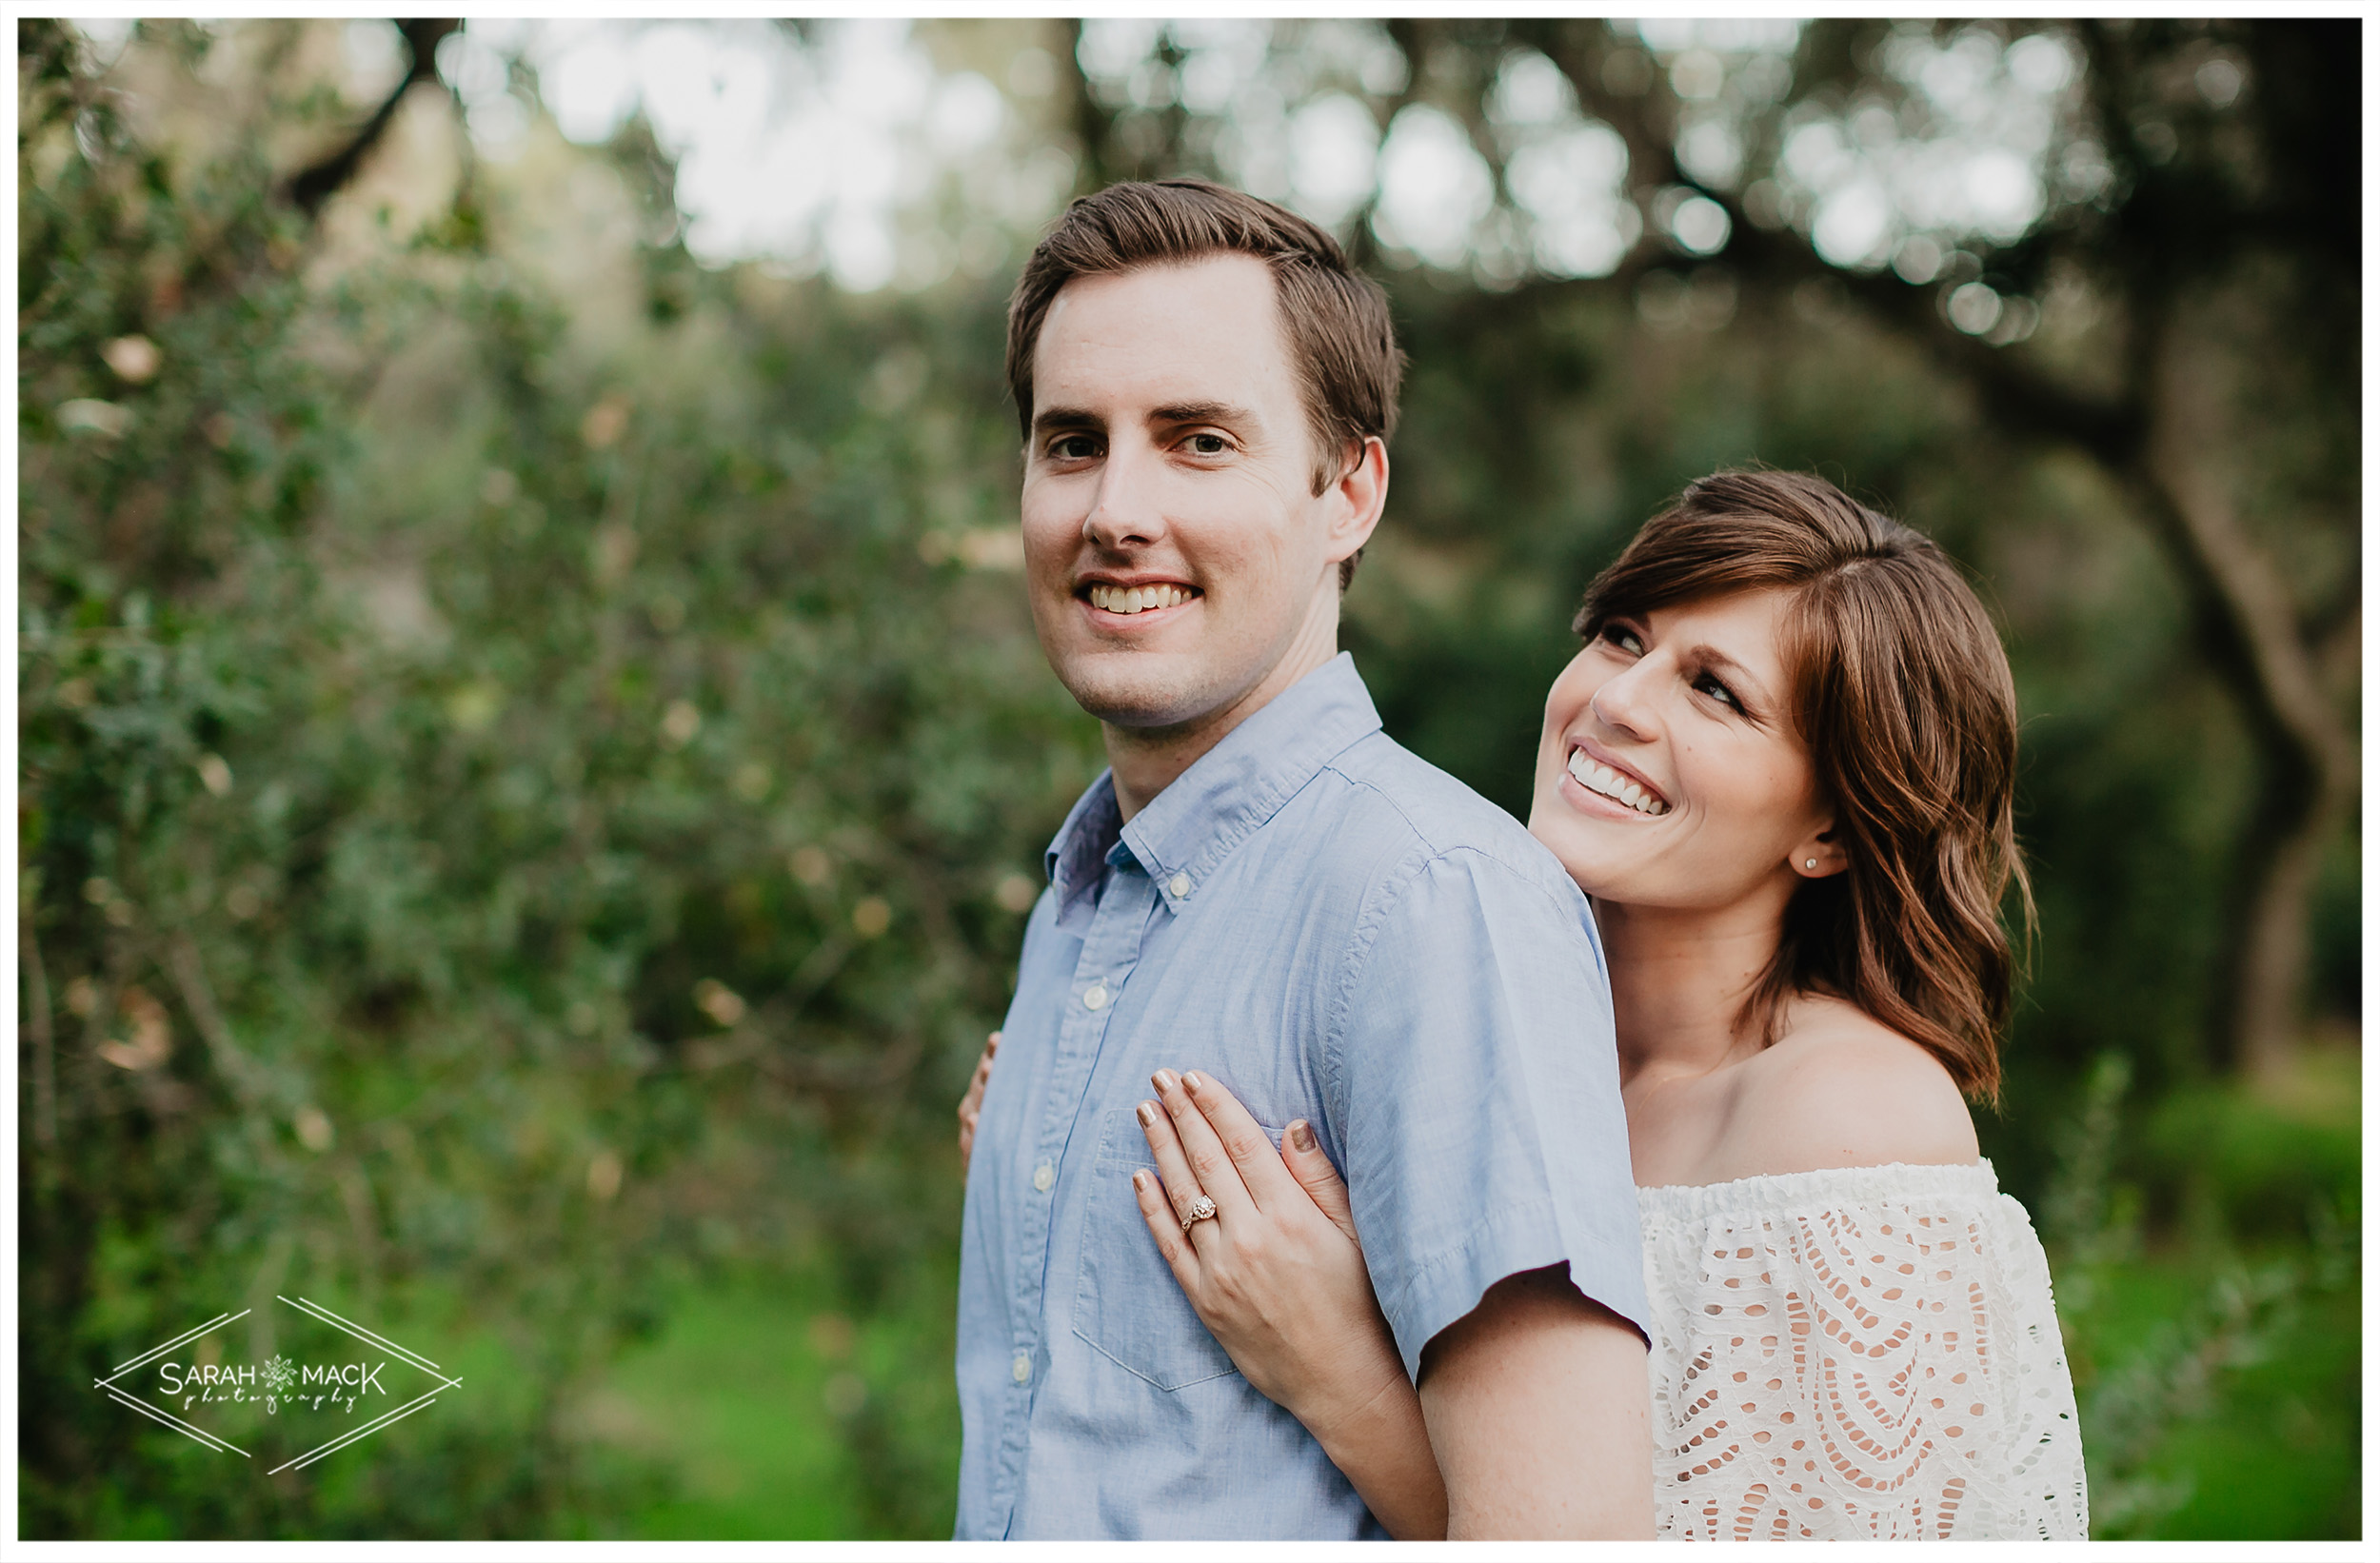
[[1606, 782]]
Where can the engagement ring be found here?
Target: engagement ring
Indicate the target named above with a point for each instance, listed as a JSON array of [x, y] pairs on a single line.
[[1201, 1208]]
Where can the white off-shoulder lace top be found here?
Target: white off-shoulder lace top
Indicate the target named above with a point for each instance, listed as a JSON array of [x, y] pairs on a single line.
[[1859, 1353]]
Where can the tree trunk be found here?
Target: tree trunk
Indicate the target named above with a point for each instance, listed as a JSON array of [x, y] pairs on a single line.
[[2307, 760], [41, 1034], [2266, 979]]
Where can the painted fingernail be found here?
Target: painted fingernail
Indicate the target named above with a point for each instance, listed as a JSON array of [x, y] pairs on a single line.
[[1140, 1182], [1194, 1082], [1148, 1112], [1301, 1135], [1162, 1079]]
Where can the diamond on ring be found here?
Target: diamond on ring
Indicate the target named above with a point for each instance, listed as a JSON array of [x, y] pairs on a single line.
[[1201, 1208]]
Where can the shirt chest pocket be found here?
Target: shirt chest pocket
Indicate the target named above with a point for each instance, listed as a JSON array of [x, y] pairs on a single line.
[[1127, 1305]]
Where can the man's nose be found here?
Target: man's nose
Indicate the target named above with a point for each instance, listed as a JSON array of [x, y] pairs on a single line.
[[1127, 510]]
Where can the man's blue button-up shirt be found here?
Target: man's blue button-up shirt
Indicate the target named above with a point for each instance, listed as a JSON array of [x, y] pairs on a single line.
[[1335, 931]]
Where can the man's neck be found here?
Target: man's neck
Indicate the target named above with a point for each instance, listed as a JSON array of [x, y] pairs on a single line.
[[1146, 761]]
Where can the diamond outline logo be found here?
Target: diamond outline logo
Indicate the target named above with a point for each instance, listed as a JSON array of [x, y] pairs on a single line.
[[164, 1418], [277, 1371]]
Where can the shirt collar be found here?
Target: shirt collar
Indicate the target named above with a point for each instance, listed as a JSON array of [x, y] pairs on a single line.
[[1075, 860], [1231, 790]]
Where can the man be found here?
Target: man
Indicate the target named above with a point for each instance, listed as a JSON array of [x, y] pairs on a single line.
[[1265, 887]]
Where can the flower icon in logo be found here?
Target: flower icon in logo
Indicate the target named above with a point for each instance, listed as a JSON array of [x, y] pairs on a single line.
[[279, 1375]]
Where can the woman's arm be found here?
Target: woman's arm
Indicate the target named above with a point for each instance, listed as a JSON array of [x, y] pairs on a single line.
[[1277, 1273]]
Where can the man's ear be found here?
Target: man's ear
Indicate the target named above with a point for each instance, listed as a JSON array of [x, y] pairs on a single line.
[[1359, 496]]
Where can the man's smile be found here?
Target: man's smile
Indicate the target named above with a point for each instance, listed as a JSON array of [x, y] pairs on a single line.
[[1143, 602]]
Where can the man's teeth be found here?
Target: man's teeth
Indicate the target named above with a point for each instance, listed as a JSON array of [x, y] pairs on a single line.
[[1138, 598], [1602, 779]]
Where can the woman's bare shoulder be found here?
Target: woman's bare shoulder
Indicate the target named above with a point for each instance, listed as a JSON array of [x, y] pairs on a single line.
[[1840, 1089]]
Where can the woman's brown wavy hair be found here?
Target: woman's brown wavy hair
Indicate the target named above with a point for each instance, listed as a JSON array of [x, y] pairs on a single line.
[[1902, 693]]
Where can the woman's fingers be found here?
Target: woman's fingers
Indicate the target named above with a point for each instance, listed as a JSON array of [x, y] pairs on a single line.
[[1210, 1163], [1302, 1153], [1243, 1138], [1166, 1228], [971, 1105], [1173, 1166]]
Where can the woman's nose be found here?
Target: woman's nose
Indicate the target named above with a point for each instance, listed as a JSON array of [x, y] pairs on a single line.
[[1624, 702]]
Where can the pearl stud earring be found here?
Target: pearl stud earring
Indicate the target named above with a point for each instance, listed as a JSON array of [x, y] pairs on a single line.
[[1809, 863]]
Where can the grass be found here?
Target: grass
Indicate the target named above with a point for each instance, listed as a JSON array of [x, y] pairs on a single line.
[[2283, 1459], [2216, 1346], [2252, 1428], [780, 1418]]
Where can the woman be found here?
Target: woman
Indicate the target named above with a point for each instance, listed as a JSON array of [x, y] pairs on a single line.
[[1782, 769]]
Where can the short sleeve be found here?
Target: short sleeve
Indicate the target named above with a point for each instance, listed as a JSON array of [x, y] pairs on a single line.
[[1474, 1095]]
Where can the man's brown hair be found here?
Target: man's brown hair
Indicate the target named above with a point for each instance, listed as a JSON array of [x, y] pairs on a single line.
[[1902, 692], [1334, 317]]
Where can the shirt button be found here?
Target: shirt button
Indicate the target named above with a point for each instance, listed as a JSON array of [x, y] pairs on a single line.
[[1180, 886], [1021, 1369], [1097, 997], [1044, 1176]]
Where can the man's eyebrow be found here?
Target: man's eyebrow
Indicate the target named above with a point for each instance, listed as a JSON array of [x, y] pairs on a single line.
[[1052, 419], [1204, 412]]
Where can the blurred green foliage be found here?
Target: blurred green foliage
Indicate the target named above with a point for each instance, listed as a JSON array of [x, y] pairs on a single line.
[[533, 758], [606, 830]]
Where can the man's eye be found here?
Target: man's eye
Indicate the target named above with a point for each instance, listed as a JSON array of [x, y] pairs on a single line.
[[1073, 448], [1208, 445]]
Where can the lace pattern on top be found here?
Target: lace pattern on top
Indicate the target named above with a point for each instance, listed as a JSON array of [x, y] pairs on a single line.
[[1859, 1353]]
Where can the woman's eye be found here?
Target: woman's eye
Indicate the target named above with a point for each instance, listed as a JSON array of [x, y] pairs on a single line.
[[1719, 692], [1621, 638]]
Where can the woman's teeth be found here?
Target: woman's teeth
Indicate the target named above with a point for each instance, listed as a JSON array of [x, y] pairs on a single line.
[[1602, 779], [1138, 598]]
